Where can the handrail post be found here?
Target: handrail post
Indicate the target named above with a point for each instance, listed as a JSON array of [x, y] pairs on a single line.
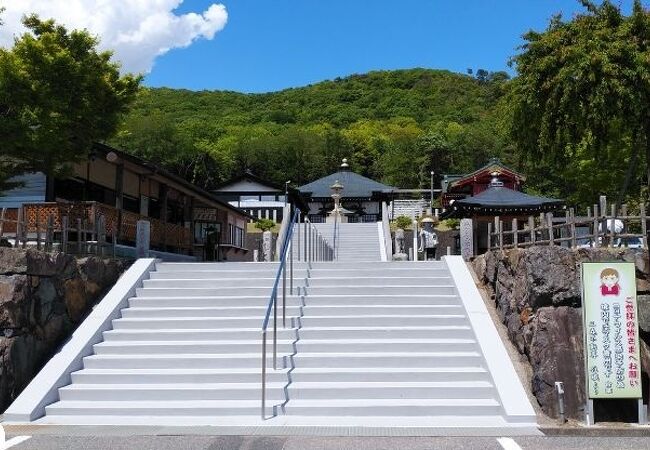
[[284, 291], [275, 330], [291, 269], [263, 374]]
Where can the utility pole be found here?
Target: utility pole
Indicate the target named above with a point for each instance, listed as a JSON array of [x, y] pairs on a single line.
[[432, 172]]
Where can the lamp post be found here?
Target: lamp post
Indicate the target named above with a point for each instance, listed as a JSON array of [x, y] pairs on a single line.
[[286, 191], [431, 203]]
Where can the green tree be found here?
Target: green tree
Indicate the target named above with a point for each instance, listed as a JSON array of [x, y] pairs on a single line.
[[581, 102], [58, 95]]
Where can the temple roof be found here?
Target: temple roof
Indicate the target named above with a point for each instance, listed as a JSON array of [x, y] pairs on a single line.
[[493, 166], [354, 185], [496, 200]]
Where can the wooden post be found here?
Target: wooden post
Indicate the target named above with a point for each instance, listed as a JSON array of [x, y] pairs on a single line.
[[551, 237], [49, 233], [2, 221], [531, 226], [500, 234], [612, 225], [515, 233], [38, 230], [644, 225], [101, 234], [595, 236], [589, 211], [624, 209], [79, 235], [489, 246], [572, 219], [64, 234], [21, 231], [595, 211]]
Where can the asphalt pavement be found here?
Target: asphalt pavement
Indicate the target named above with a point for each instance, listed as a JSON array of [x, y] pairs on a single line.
[[71, 442]]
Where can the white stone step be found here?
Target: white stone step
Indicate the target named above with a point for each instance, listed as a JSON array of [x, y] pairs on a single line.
[[224, 274], [229, 283], [402, 374], [211, 361], [363, 311], [391, 390], [358, 331], [385, 345], [243, 291], [158, 408], [171, 392], [379, 320], [201, 311], [186, 323], [393, 407], [196, 302], [285, 347], [378, 299], [176, 375], [383, 290], [196, 334], [389, 359], [215, 266], [390, 271], [386, 280]]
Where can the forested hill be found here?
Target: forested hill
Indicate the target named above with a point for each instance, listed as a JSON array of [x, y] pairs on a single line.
[[394, 126]]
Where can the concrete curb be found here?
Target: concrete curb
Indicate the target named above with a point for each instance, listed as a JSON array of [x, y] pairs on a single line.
[[43, 389], [514, 400]]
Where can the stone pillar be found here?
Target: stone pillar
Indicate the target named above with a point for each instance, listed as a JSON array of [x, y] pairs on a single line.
[[466, 238], [267, 245], [142, 239], [399, 246]]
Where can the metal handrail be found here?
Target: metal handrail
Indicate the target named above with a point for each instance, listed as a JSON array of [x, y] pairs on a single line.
[[335, 242], [316, 248]]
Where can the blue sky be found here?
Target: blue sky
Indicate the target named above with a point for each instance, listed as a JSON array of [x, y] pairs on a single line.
[[269, 45]]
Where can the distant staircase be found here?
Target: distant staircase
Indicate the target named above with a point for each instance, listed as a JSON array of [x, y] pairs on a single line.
[[355, 241]]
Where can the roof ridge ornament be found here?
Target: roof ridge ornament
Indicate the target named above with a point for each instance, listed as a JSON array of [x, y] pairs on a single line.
[[345, 165], [495, 180]]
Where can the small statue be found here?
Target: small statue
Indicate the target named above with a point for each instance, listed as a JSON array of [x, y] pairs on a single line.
[[428, 239], [399, 255]]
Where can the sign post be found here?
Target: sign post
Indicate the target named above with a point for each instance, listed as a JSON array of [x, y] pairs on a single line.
[[611, 334]]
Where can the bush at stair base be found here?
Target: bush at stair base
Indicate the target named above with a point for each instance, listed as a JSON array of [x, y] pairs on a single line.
[[43, 297], [537, 296]]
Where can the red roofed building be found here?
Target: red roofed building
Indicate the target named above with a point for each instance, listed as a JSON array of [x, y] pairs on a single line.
[[456, 187]]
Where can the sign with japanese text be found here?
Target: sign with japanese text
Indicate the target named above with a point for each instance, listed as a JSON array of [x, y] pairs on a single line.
[[611, 330]]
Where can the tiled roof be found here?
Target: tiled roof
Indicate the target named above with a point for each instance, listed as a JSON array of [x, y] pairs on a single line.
[[354, 185]]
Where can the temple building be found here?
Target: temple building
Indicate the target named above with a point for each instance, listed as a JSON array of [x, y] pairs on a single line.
[[361, 197], [260, 198], [492, 191], [125, 189]]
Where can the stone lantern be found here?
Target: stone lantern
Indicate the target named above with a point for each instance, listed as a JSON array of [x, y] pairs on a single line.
[[338, 213]]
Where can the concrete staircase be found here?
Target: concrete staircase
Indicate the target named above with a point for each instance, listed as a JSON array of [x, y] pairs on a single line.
[[356, 241], [187, 345], [367, 343], [388, 339]]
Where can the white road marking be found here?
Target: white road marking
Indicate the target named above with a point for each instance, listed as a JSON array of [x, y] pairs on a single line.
[[14, 441], [508, 444]]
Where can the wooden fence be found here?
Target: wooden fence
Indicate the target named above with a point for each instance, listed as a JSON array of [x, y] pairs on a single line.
[[84, 227], [593, 230]]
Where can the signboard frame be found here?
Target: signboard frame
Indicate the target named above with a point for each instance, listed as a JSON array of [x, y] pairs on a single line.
[[609, 289]]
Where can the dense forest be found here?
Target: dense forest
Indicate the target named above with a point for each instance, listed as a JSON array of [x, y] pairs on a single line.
[[394, 126]]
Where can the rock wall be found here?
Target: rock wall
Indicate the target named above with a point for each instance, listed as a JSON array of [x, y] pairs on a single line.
[[537, 296], [43, 297]]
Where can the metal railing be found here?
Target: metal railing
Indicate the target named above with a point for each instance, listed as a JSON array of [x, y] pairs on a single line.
[[314, 248], [335, 239]]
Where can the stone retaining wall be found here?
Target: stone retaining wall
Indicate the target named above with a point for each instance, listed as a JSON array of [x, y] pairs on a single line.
[[536, 293], [43, 297]]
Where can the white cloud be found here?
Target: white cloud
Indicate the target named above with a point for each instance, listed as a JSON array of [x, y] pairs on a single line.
[[136, 30]]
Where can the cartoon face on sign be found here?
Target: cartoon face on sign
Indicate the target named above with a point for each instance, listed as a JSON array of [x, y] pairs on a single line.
[[609, 282]]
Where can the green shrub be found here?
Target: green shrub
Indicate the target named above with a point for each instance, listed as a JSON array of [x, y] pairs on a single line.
[[264, 224], [403, 222]]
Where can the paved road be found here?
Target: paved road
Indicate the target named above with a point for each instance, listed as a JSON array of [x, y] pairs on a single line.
[[47, 442]]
